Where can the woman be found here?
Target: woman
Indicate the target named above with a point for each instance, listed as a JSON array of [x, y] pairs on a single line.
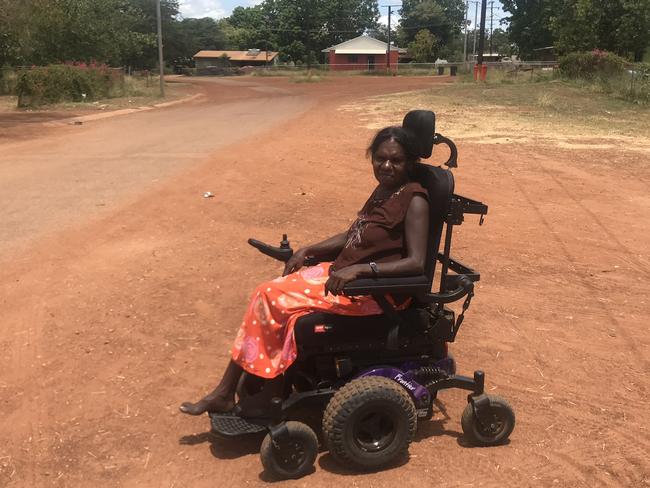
[[389, 238]]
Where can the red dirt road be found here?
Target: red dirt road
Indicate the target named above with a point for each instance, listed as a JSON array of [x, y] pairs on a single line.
[[110, 320]]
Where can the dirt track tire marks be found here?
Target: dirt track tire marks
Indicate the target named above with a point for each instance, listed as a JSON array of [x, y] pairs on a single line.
[[583, 278]]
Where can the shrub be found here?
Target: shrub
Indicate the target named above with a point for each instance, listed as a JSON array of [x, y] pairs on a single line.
[[7, 80], [219, 71], [607, 73], [592, 64], [68, 82]]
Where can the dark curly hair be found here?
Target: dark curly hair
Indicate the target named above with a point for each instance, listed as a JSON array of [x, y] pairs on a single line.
[[399, 135]]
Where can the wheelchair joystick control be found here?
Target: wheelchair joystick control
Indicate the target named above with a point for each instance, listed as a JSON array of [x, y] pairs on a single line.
[[284, 243]]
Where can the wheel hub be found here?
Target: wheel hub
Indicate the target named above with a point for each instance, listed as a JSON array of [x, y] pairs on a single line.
[[492, 426], [374, 431], [290, 454]]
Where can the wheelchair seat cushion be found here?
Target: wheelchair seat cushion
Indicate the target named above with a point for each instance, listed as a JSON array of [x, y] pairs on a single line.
[[333, 332]]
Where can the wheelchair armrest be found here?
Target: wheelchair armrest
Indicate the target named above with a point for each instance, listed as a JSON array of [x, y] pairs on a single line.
[[406, 285], [464, 286]]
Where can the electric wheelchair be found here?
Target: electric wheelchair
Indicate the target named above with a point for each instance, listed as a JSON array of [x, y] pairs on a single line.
[[374, 378]]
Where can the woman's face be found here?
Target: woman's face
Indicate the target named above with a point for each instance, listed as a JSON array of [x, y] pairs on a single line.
[[390, 165]]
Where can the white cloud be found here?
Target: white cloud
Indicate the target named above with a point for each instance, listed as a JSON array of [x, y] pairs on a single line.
[[202, 8]]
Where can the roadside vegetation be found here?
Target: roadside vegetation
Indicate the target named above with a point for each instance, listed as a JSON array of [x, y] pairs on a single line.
[[75, 87], [61, 51], [548, 111]]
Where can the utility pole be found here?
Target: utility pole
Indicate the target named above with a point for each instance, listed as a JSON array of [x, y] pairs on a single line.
[[465, 43], [475, 25], [388, 47], [481, 37], [491, 19], [267, 34], [160, 50]]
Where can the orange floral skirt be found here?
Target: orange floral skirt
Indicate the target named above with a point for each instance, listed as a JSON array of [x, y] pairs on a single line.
[[265, 345]]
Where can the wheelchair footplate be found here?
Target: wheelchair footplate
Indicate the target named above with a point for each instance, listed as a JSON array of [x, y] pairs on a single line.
[[231, 425]]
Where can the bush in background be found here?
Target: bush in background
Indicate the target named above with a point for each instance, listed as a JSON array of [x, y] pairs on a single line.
[[592, 64], [608, 73], [67, 82], [7, 80]]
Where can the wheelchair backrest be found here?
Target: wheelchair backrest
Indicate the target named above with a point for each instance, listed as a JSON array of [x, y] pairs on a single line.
[[438, 181]]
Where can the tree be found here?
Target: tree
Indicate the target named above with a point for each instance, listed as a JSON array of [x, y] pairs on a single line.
[[423, 47], [300, 29], [619, 26], [442, 18], [529, 24], [84, 30], [500, 42], [193, 35], [12, 20]]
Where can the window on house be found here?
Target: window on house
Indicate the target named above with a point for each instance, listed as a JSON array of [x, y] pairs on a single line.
[[353, 58]]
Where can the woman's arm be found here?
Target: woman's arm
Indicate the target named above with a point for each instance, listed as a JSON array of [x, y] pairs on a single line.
[[328, 247], [416, 230]]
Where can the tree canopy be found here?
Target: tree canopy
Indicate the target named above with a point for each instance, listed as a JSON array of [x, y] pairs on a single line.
[[300, 29], [442, 18], [619, 26], [123, 32]]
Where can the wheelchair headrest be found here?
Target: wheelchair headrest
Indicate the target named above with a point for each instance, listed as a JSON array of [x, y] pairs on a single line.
[[422, 124]]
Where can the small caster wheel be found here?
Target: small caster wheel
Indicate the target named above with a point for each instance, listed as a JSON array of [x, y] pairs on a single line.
[[495, 426], [293, 456]]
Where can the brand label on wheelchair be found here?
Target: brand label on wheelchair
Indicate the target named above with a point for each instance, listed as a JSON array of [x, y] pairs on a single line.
[[400, 379]]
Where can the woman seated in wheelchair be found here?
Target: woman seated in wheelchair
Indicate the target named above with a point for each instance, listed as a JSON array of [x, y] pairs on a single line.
[[388, 238]]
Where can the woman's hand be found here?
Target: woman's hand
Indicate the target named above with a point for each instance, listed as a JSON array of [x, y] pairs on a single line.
[[295, 262], [339, 278]]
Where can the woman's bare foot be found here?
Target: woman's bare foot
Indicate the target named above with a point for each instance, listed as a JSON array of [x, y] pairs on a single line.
[[209, 403]]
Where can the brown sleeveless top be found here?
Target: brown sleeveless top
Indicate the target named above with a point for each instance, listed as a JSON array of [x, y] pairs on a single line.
[[378, 233]]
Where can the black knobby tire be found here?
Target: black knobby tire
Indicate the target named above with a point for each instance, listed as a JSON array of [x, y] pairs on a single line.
[[493, 431], [369, 423], [293, 456]]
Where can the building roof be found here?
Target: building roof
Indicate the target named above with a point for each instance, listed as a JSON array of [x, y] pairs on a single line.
[[361, 45], [250, 55]]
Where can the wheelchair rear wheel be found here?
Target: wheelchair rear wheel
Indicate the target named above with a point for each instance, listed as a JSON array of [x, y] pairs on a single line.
[[370, 422]]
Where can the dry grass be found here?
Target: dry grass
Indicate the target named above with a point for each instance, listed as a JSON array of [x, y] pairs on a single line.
[[551, 112]]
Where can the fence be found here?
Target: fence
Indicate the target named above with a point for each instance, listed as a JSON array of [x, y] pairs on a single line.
[[433, 69]]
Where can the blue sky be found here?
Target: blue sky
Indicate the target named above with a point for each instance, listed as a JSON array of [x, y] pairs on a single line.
[[222, 8]]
